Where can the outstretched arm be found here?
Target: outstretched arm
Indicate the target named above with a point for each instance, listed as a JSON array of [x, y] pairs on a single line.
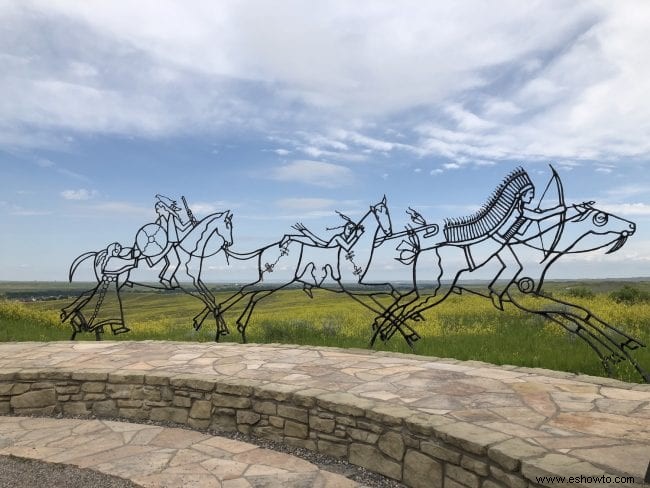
[[306, 232], [306, 237], [534, 214]]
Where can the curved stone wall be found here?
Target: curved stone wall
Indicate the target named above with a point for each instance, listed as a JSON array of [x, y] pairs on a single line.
[[420, 449]]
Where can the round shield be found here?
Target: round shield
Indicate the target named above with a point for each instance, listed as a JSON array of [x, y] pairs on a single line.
[[151, 239]]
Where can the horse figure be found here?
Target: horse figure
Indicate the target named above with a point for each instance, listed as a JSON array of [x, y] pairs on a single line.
[[581, 228], [317, 266], [207, 237]]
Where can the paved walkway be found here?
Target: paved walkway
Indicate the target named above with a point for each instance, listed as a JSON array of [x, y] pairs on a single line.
[[603, 422], [153, 456]]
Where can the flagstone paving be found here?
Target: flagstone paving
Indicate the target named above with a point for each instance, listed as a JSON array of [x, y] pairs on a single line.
[[154, 456], [603, 423]]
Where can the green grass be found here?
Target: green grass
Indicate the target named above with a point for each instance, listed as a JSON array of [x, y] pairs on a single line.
[[463, 327]]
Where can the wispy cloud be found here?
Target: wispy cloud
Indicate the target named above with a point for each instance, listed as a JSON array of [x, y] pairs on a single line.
[[80, 194], [205, 208], [20, 211], [571, 85], [451, 166], [50, 165], [315, 173]]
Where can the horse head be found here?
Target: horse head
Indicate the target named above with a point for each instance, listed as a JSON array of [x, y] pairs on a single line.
[[381, 213], [589, 228]]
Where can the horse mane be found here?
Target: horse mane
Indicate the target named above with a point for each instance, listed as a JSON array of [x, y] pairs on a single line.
[[492, 213]]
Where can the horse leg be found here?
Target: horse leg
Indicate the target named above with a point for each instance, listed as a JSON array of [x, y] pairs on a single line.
[[256, 297], [617, 337], [411, 305], [202, 292], [222, 327], [245, 316], [199, 318], [584, 322], [615, 355], [231, 301], [606, 355]]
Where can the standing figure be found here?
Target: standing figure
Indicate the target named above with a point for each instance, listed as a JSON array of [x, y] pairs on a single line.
[[170, 220], [101, 306]]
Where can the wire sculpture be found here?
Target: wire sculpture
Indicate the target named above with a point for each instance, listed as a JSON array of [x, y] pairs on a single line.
[[500, 233], [168, 240]]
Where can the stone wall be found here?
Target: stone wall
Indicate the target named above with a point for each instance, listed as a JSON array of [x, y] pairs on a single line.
[[417, 449]]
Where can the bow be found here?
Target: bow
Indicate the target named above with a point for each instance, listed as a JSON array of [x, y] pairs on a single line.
[[555, 177]]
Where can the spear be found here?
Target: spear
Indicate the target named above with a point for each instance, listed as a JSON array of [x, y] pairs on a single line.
[[432, 230]]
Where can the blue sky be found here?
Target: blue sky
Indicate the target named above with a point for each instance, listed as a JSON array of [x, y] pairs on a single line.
[[286, 111]]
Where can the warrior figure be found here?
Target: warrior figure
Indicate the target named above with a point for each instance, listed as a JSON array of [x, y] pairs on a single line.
[[345, 239], [170, 220], [502, 220]]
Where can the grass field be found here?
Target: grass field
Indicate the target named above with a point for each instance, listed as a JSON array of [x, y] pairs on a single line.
[[463, 327]]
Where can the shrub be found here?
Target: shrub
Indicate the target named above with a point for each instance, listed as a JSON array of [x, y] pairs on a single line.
[[580, 292], [630, 295]]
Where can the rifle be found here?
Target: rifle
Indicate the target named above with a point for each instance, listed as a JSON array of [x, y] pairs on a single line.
[[189, 212]]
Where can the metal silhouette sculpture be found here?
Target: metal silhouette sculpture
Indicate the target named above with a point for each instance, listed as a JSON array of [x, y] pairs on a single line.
[[101, 306], [181, 246], [500, 231], [507, 228], [339, 264]]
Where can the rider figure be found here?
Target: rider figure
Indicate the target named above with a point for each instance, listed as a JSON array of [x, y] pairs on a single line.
[[170, 221], [345, 239], [506, 215]]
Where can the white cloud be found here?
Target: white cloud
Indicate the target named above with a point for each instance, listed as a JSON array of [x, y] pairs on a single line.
[[451, 166], [81, 194], [313, 173], [585, 102], [206, 208], [551, 80]]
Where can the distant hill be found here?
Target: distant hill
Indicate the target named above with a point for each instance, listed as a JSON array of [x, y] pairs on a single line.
[[51, 290]]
